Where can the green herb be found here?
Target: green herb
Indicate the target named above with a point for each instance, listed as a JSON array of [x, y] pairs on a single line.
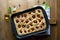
[[9, 9], [46, 5]]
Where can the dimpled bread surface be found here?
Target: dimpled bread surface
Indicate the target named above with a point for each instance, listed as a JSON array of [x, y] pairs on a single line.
[[30, 22]]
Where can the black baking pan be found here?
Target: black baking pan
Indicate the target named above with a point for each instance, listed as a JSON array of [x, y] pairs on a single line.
[[28, 10]]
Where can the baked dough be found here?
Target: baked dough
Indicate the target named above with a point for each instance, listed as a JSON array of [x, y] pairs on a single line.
[[30, 22]]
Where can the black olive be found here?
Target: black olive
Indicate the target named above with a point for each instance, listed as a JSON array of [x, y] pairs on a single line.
[[33, 16], [19, 26], [39, 11], [17, 21]]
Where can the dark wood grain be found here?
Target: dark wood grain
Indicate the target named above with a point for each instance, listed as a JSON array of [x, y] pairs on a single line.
[[58, 27]]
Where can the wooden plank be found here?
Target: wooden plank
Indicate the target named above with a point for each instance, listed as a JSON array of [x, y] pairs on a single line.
[[53, 5], [58, 18]]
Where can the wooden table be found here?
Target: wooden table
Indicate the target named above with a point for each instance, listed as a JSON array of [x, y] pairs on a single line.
[[6, 31]]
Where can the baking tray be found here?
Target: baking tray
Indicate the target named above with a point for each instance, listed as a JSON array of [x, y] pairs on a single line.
[[30, 34]]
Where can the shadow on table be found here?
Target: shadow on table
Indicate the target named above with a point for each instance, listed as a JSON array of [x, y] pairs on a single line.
[[35, 38]]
